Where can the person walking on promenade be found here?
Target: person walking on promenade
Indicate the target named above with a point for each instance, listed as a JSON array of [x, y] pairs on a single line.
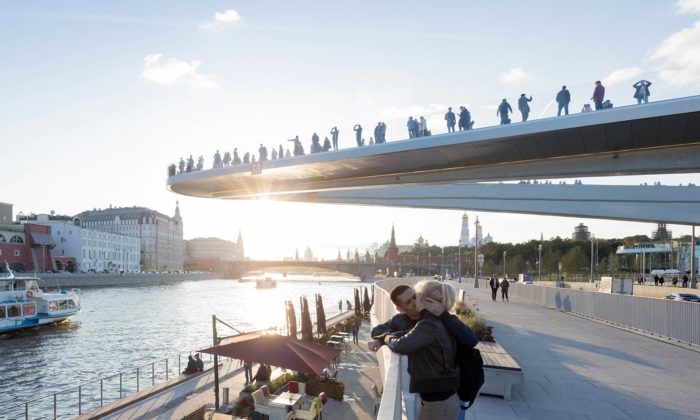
[[494, 287], [563, 99], [355, 332], [358, 135], [598, 95], [451, 120], [524, 107], [248, 368], [641, 91], [504, 290], [334, 136], [503, 110]]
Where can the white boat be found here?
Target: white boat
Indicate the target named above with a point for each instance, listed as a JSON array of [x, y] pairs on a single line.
[[266, 283], [24, 305]]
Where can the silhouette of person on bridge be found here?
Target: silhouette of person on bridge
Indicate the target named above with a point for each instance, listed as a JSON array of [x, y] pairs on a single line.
[[200, 363], [641, 91], [451, 119], [262, 150], [315, 144], [598, 95], [298, 148], [563, 99], [358, 135], [246, 158], [280, 153], [326, 145], [503, 110], [523, 106], [217, 159], [334, 136]]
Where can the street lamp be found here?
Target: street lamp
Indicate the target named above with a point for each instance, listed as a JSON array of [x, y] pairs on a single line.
[[476, 248], [504, 265], [459, 261], [442, 263], [480, 262], [558, 265], [539, 261], [592, 253]]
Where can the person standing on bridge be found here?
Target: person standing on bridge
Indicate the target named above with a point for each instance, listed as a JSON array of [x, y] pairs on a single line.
[[598, 95], [358, 135], [523, 106], [334, 136], [451, 119], [503, 110], [422, 127], [641, 91], [563, 99], [494, 287], [504, 290]]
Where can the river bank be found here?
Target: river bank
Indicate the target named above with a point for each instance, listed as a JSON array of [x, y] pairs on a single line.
[[82, 280]]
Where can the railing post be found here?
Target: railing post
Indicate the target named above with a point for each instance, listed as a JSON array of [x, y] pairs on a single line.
[[101, 391], [55, 411], [121, 393], [166, 369], [153, 373], [138, 377], [26, 411], [80, 400]]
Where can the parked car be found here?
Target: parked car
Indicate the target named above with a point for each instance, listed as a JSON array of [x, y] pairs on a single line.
[[687, 297]]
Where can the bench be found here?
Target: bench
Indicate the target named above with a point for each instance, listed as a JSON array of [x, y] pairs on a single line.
[[501, 372]]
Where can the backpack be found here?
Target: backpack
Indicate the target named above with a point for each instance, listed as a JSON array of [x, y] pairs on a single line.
[[471, 373]]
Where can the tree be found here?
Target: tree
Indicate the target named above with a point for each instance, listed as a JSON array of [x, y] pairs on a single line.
[[515, 265], [575, 260]]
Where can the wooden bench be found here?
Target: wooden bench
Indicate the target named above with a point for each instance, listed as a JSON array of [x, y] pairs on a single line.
[[501, 372]]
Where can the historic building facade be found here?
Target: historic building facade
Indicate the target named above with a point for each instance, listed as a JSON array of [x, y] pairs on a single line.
[[160, 236]]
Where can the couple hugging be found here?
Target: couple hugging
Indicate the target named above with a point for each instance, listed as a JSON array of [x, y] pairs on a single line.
[[427, 333]]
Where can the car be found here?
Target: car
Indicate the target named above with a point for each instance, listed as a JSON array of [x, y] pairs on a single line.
[[687, 297]]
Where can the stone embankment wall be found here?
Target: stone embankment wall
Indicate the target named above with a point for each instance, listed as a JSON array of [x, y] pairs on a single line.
[[638, 290], [107, 280]]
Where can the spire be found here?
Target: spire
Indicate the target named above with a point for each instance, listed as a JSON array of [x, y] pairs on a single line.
[[239, 245], [177, 210], [393, 236]]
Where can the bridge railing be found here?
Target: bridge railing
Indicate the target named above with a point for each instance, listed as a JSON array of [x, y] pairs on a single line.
[[675, 320]]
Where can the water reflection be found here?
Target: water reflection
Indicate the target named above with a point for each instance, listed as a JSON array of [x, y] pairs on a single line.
[[122, 327]]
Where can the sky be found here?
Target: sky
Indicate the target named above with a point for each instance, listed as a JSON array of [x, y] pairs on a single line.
[[98, 98]]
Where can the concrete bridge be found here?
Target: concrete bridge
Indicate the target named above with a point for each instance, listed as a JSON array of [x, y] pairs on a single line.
[[366, 271]]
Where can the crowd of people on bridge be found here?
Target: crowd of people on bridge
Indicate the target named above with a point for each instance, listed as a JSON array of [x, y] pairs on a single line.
[[417, 127]]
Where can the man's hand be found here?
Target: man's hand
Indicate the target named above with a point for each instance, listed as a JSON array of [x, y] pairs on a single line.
[[434, 307], [374, 345]]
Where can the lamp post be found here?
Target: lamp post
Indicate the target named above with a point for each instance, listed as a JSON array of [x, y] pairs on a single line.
[[504, 265], [416, 262], [430, 267], [480, 262], [539, 262], [558, 265], [442, 262], [592, 245], [476, 249], [459, 261]]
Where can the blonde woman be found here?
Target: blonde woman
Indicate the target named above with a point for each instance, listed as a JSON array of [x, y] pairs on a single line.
[[431, 349]]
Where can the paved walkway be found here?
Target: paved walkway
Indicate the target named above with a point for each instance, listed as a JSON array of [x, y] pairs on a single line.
[[358, 370], [575, 368]]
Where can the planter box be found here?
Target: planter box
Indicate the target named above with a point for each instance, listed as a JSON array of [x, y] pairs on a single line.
[[334, 390]]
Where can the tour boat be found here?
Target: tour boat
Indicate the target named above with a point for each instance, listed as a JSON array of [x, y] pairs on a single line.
[[24, 305], [266, 283]]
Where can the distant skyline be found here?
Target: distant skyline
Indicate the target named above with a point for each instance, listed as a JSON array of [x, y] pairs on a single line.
[[100, 97]]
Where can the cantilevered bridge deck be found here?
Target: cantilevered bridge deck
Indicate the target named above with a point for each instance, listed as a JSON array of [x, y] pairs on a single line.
[[659, 137]]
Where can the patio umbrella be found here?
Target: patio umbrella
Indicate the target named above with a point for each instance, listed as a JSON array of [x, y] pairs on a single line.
[[276, 350], [306, 326], [367, 303], [320, 316], [358, 307], [291, 320]]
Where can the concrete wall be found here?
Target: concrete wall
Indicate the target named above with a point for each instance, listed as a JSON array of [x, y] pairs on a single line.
[[103, 280], [638, 290]]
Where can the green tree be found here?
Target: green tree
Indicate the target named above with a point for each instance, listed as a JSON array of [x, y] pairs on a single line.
[[575, 260]]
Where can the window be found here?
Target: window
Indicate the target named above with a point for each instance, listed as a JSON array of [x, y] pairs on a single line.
[[28, 309], [16, 239], [2, 239], [13, 311], [17, 253], [2, 312]]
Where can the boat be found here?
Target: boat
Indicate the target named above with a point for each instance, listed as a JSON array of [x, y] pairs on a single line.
[[266, 283], [24, 305]]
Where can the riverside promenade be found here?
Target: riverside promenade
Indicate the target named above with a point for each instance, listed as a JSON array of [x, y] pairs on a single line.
[[575, 368]]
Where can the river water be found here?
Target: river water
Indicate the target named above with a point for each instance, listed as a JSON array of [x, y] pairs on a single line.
[[123, 327]]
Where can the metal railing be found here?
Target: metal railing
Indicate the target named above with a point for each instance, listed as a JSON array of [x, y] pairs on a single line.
[[95, 393], [671, 319]]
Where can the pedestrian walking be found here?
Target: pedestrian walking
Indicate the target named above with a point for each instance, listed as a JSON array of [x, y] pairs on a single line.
[[503, 110], [465, 119], [358, 135], [355, 332], [598, 95], [641, 91], [523, 106], [334, 136], [563, 99], [451, 119], [504, 290], [494, 287], [248, 368]]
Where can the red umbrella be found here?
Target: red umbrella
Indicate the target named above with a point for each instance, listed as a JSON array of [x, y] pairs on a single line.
[[276, 350]]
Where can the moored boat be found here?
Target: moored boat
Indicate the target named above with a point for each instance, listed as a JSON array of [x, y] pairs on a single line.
[[24, 305], [266, 283]]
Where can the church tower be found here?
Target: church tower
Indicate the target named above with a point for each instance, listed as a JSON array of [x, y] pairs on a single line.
[[392, 253], [239, 246], [464, 234]]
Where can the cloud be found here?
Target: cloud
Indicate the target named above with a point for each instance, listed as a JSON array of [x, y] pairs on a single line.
[[225, 18], [621, 75], [516, 74], [680, 56], [171, 71], [687, 6]]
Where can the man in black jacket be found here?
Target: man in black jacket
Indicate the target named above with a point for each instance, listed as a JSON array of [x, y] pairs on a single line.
[[494, 288], [563, 99]]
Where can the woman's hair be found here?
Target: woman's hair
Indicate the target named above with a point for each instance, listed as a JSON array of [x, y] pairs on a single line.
[[441, 292]]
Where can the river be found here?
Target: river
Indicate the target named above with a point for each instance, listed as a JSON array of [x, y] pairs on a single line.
[[123, 327]]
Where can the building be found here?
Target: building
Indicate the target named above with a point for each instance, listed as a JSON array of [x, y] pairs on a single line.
[[661, 233], [212, 254], [464, 233], [392, 251], [308, 255], [162, 245], [26, 247], [581, 233], [93, 250], [5, 213]]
